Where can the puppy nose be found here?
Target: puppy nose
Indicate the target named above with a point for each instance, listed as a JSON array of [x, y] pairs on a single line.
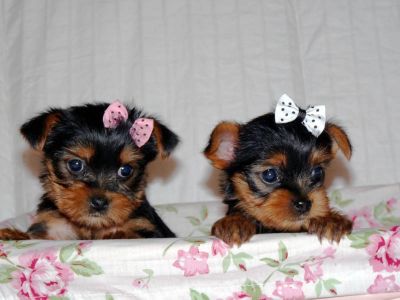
[[98, 203], [302, 206]]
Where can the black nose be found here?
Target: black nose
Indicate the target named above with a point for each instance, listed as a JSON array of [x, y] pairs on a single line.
[[302, 206], [98, 204]]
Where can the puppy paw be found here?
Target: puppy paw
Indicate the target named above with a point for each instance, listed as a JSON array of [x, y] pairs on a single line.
[[234, 229], [7, 234], [332, 227]]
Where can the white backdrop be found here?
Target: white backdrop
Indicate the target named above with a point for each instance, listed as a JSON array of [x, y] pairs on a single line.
[[194, 63]]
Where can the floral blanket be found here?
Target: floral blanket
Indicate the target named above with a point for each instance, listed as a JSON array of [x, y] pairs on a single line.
[[198, 266]]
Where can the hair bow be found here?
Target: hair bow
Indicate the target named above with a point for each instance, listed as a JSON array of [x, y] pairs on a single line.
[[141, 129], [313, 118]]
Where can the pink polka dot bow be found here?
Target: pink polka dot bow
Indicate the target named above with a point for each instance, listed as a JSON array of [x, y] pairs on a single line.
[[141, 129]]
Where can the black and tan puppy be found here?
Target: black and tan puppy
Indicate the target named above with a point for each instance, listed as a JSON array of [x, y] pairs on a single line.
[[94, 161], [274, 173]]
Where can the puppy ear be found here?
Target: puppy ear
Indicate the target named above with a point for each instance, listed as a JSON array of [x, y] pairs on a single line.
[[37, 129], [166, 140], [340, 139], [221, 146]]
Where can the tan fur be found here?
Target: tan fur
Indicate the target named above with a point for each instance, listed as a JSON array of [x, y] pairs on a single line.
[[318, 157], [84, 152], [51, 120], [129, 156], [224, 131], [277, 213], [234, 229], [13, 234], [341, 140]]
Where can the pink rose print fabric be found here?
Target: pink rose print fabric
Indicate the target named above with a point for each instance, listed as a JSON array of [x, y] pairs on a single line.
[[384, 250], [192, 262], [289, 289], [312, 271], [219, 247], [384, 285], [242, 295], [42, 276]]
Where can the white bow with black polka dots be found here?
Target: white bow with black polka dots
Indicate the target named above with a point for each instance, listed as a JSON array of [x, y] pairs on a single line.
[[314, 116]]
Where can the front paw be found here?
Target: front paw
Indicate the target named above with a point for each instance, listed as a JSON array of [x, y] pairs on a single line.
[[7, 234], [332, 227], [234, 229]]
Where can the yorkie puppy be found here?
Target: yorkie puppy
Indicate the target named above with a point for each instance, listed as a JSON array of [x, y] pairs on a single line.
[[273, 175], [94, 161]]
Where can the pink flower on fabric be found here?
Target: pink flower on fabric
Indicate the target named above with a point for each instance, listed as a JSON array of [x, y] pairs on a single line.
[[238, 296], [3, 252], [329, 253], [139, 283], [192, 262], [384, 285], [42, 276], [243, 295], [360, 216], [219, 247], [385, 250], [289, 289], [313, 271]]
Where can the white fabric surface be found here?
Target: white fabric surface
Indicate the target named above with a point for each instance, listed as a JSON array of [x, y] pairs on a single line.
[[194, 63]]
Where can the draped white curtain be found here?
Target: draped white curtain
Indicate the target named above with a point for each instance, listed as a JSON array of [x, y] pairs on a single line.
[[194, 63]]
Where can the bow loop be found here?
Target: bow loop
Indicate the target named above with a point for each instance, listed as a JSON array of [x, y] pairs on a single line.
[[313, 118], [114, 114], [141, 131]]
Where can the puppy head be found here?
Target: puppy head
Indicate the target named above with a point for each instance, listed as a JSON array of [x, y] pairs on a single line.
[[94, 175], [276, 171]]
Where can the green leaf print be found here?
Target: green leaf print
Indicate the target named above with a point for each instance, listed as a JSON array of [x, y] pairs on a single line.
[[270, 262], [226, 262], [109, 297], [149, 272], [204, 212], [194, 221], [288, 271], [282, 252], [360, 239], [86, 267], [195, 295], [66, 252], [252, 288], [5, 273], [318, 288], [329, 285]]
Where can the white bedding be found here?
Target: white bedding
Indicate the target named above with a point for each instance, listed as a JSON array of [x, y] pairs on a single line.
[[194, 63], [200, 267]]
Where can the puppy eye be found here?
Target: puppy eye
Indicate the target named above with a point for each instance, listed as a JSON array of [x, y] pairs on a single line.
[[125, 171], [317, 174], [270, 175], [75, 165]]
